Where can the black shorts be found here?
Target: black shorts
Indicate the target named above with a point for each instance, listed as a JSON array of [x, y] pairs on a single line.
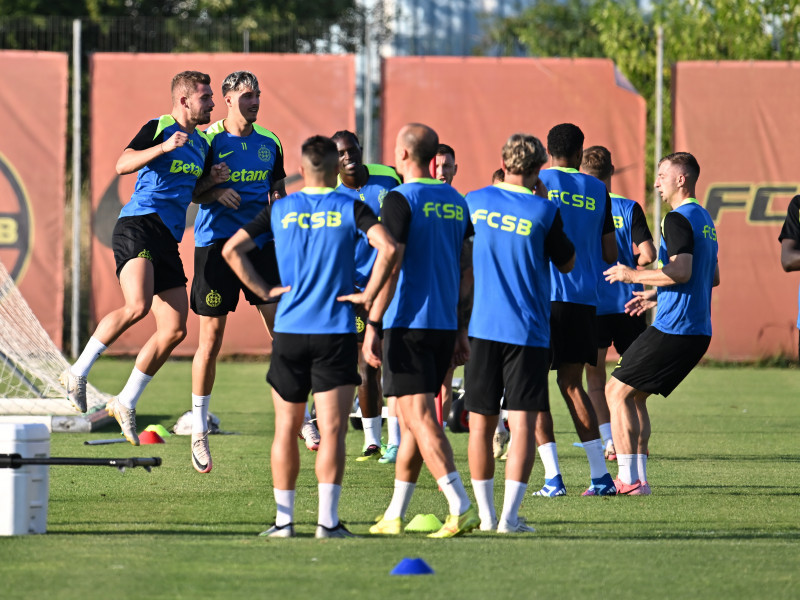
[[146, 236], [215, 287], [415, 361], [303, 363], [573, 334], [621, 329], [521, 371], [657, 362]]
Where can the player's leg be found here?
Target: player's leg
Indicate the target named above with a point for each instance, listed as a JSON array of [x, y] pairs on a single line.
[[481, 466], [369, 400], [446, 393], [626, 428], [642, 452], [204, 371], [546, 442], [136, 281], [333, 410], [570, 383], [596, 389], [521, 456], [393, 433], [285, 464], [408, 465]]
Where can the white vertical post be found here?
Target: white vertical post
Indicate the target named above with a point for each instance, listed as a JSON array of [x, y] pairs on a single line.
[[659, 129], [246, 41], [76, 187]]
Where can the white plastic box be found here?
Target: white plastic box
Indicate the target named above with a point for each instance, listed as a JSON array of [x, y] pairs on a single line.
[[24, 491]]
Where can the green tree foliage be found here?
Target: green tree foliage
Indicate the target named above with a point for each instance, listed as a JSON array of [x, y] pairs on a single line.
[[622, 31]]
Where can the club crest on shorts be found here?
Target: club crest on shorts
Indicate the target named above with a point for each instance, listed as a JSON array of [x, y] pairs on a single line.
[[213, 298], [360, 325], [145, 254]]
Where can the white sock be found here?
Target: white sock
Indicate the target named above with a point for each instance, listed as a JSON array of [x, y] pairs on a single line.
[[484, 496], [329, 494], [403, 490], [200, 413], [641, 467], [597, 462], [393, 425], [284, 499], [605, 433], [549, 456], [94, 348], [455, 493], [501, 426], [372, 430], [515, 492], [130, 394], [628, 469]]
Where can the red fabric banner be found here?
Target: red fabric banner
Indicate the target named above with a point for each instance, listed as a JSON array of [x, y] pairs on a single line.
[[33, 110], [301, 95], [737, 118]]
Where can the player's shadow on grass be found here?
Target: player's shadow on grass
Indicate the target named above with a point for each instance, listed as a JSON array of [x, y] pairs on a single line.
[[142, 422]]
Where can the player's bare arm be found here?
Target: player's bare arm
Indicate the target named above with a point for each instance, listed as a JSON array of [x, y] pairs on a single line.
[[679, 270], [790, 255], [371, 348], [132, 160], [609, 247], [646, 253], [716, 276], [235, 254], [465, 298], [380, 239]]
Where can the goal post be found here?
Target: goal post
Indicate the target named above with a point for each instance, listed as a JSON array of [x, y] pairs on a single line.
[[30, 364]]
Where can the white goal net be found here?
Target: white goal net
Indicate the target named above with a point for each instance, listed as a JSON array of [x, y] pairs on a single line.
[[30, 364]]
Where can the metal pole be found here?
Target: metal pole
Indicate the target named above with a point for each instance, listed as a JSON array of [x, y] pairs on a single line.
[[76, 188], [659, 128], [368, 89], [246, 41]]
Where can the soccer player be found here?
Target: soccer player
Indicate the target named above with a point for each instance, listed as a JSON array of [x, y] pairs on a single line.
[[369, 184], [445, 171], [790, 242], [425, 325], [170, 154], [314, 348], [586, 210], [255, 158], [659, 359], [517, 236], [634, 247]]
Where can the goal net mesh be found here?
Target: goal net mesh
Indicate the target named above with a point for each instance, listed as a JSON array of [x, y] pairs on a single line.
[[30, 363]]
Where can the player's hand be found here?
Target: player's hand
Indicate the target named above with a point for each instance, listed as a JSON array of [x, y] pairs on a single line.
[[357, 298], [372, 348], [641, 302], [178, 139], [275, 292], [228, 198], [220, 173], [461, 351], [619, 272]]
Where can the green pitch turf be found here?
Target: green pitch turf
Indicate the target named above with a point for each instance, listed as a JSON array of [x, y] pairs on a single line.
[[723, 520]]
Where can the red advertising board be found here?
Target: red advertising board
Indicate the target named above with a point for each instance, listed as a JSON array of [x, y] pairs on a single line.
[[301, 95], [33, 110]]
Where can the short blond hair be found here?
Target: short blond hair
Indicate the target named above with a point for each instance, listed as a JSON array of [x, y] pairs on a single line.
[[523, 154]]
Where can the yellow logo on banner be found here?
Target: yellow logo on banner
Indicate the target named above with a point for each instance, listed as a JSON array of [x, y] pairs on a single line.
[[16, 229]]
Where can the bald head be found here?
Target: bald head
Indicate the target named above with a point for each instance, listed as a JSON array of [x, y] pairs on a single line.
[[420, 141]]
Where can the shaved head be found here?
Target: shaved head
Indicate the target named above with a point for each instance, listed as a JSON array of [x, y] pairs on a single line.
[[420, 141]]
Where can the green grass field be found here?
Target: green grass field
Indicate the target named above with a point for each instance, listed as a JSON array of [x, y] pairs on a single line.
[[723, 520]]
